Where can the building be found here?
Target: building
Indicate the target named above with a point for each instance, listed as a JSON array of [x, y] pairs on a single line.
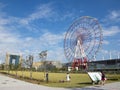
[[37, 65], [106, 65], [57, 64], [13, 58]]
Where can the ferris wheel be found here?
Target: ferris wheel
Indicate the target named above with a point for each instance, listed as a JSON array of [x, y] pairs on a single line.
[[83, 39]]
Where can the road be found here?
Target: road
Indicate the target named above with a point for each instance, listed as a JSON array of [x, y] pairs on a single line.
[[7, 83]]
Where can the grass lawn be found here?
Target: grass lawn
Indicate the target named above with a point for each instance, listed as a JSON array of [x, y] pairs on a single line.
[[77, 80]]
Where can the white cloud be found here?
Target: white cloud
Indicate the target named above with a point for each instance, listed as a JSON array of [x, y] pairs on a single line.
[[6, 36], [46, 12], [119, 42], [9, 38], [43, 11], [3, 21], [48, 41], [114, 15], [111, 31], [104, 51], [2, 5], [56, 54], [64, 16], [11, 43], [51, 39]]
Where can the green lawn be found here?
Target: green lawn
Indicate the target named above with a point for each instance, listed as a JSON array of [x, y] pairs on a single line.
[[77, 80]]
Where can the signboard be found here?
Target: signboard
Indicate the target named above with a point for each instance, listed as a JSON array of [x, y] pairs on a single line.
[[95, 76]]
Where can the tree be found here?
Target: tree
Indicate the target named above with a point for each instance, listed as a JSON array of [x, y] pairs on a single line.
[[2, 66], [29, 63], [43, 56]]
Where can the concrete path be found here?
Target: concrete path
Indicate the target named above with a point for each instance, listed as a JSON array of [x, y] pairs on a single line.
[[7, 83]]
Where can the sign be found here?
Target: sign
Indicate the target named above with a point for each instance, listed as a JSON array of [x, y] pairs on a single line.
[[95, 76]]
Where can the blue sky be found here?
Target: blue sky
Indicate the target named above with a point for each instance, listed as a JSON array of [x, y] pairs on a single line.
[[31, 26]]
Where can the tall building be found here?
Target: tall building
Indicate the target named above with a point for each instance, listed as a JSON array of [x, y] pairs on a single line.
[[13, 58]]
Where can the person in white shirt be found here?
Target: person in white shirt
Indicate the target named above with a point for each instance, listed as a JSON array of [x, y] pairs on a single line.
[[68, 77]]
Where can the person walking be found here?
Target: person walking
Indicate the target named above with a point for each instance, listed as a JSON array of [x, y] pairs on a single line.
[[103, 78], [47, 77]]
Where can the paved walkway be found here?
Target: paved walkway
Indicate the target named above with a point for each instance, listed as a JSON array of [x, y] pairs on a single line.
[[7, 83]]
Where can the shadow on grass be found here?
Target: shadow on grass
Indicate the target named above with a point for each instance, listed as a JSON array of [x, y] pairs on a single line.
[[113, 79], [85, 83]]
